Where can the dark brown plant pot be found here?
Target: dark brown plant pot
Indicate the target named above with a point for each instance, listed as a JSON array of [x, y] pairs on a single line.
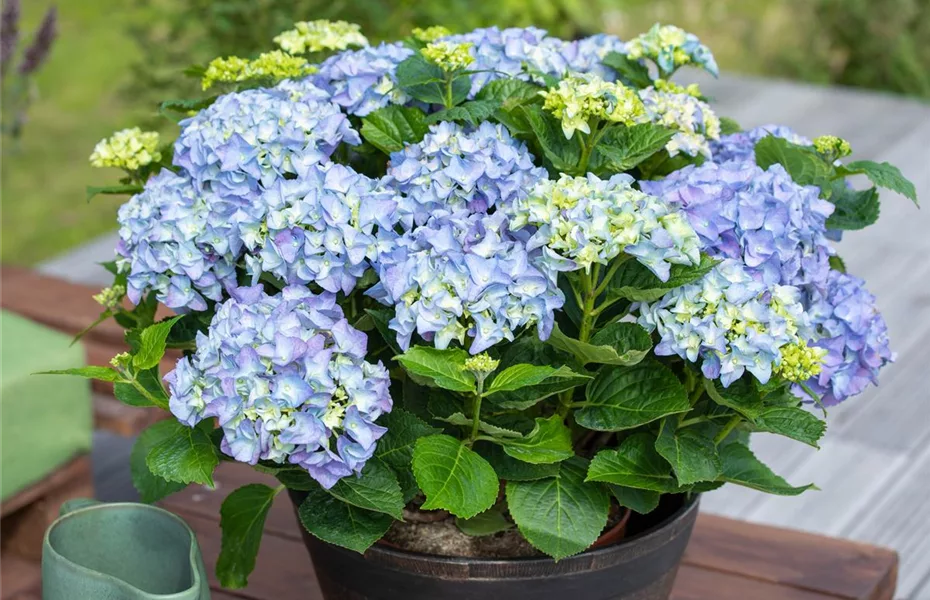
[[640, 567]]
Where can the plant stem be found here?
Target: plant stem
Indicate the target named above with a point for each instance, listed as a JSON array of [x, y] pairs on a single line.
[[588, 149], [610, 274], [729, 427], [693, 421], [476, 408], [448, 98]]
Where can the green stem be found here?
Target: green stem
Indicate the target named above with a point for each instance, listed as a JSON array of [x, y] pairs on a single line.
[[693, 421], [448, 98], [696, 394], [476, 409], [593, 138], [729, 427], [148, 395], [614, 266]]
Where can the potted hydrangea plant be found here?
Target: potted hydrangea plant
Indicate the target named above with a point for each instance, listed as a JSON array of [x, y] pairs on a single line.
[[476, 298]]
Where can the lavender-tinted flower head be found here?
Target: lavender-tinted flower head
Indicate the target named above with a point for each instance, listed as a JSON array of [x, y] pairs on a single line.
[[362, 81], [286, 378], [585, 55], [38, 52], [171, 243], [9, 32], [325, 228], [853, 333], [245, 141], [696, 123], [742, 146], [579, 221], [464, 275], [729, 321], [774, 226], [455, 167]]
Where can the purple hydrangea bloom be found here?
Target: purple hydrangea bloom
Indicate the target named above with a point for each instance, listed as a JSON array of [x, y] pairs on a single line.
[[245, 141], [172, 244], [324, 228], [771, 224], [462, 275], [456, 168], [849, 326], [730, 321], [286, 378], [741, 146], [362, 81], [585, 55]]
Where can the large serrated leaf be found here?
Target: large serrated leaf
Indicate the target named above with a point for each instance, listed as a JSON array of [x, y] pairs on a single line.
[[185, 454], [391, 128], [242, 519], [793, 422], [622, 398], [473, 113], [740, 466], [453, 476], [621, 148], [853, 209], [634, 464], [884, 175], [802, 163], [152, 344], [336, 522], [549, 442], [442, 368], [376, 488], [562, 153], [151, 487], [691, 453], [633, 281]]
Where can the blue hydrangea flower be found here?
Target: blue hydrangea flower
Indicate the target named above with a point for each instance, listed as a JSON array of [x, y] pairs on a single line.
[[464, 275], [454, 167], [852, 331], [362, 81], [671, 47], [170, 243], [585, 55], [579, 221], [741, 146], [324, 228], [771, 224], [246, 141], [286, 378], [730, 321], [696, 123]]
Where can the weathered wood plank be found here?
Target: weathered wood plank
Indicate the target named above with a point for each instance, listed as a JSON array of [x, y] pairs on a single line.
[[695, 583]]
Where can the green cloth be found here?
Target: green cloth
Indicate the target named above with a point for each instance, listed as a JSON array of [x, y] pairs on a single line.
[[45, 419]]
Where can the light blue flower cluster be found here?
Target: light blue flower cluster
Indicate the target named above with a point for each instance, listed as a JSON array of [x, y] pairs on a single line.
[[741, 146], [852, 331], [245, 141], [171, 244], [696, 123], [455, 168], [324, 228], [579, 221], [462, 276], [730, 321], [286, 378], [585, 55], [771, 224], [671, 47], [362, 81]]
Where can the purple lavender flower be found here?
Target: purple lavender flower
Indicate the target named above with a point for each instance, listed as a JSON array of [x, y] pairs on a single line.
[[454, 167], [849, 326], [464, 275], [172, 243], [9, 32], [771, 224], [286, 378], [38, 52], [362, 81], [742, 146]]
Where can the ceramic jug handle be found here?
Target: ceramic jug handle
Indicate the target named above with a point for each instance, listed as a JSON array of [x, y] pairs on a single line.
[[69, 506]]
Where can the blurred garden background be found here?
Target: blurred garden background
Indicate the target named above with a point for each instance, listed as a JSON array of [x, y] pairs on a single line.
[[115, 60]]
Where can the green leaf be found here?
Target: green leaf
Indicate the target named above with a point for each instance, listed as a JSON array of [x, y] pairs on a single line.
[[242, 519], [473, 113], [524, 375], [802, 163], [635, 464], [336, 522], [440, 368], [886, 176], [509, 92], [528, 349], [171, 108], [152, 344], [489, 522], [626, 397], [395, 448], [853, 209], [185, 455], [795, 423], [837, 264], [692, 454], [633, 281], [113, 190], [150, 380], [631, 72], [742, 396], [740, 466], [511, 469], [640, 501], [457, 418], [99, 373], [549, 442], [151, 487], [375, 489], [424, 81], [562, 153], [728, 126], [621, 148], [623, 344], [560, 515], [453, 477], [381, 318], [391, 128], [296, 479]]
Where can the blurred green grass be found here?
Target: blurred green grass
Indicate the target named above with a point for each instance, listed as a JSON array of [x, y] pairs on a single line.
[[45, 172]]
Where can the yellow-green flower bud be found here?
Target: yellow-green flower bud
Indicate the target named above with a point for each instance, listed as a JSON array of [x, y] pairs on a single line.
[[481, 364], [430, 34], [449, 56], [319, 35], [121, 360], [800, 362], [579, 99], [832, 146], [273, 65], [129, 149], [110, 297]]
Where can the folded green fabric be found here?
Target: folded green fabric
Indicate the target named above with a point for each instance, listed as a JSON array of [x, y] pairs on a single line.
[[45, 419]]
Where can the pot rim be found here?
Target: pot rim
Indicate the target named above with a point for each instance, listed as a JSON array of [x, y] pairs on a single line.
[[689, 506]]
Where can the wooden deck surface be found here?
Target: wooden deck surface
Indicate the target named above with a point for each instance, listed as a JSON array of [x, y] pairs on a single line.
[[874, 467]]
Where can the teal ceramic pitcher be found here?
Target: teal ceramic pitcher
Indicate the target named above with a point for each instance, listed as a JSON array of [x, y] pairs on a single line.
[[121, 551]]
